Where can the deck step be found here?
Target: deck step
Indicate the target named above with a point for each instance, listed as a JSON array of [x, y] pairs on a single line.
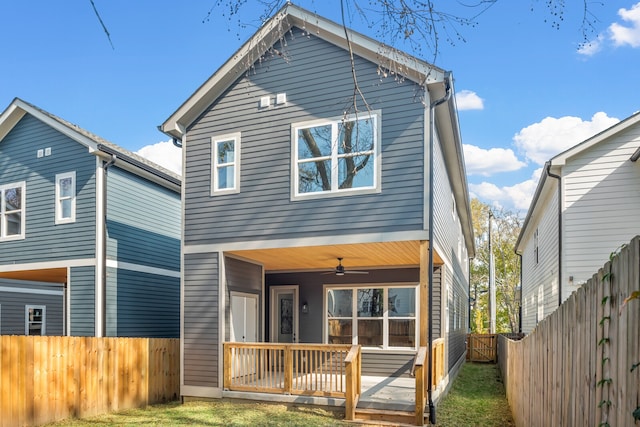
[[386, 417]]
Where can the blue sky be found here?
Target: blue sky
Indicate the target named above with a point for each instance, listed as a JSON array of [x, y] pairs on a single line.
[[526, 90]]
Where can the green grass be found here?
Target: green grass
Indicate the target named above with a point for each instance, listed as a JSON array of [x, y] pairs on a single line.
[[476, 398], [222, 412]]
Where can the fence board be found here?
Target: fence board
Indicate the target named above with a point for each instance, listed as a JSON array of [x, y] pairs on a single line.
[[552, 376], [45, 379]]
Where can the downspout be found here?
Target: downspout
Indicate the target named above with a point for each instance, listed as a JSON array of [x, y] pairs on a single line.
[[432, 106], [520, 305], [105, 168], [548, 170]]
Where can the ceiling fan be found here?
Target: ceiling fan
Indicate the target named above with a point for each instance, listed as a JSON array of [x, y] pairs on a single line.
[[340, 270]]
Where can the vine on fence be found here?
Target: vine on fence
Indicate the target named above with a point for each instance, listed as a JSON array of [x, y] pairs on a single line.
[[605, 341]]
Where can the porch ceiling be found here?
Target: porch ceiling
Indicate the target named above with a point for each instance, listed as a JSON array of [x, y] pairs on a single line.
[[50, 275], [361, 255]]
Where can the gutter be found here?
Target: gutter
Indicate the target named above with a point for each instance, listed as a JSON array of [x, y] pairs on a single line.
[[147, 168], [635, 156], [548, 171], [432, 106]]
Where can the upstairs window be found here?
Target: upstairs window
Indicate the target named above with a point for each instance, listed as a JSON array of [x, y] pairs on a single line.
[[225, 173], [12, 211], [337, 156], [65, 198]]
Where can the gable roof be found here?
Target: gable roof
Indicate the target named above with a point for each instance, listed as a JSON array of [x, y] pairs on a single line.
[[558, 161], [434, 79], [273, 30], [95, 144]]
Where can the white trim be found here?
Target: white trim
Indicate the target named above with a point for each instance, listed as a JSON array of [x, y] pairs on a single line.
[[308, 241], [333, 158], [81, 262], [385, 318], [200, 391], [23, 211], [100, 248], [182, 281], [222, 315], [67, 303], [58, 208], [43, 330], [275, 290], [235, 137], [142, 268], [31, 291]]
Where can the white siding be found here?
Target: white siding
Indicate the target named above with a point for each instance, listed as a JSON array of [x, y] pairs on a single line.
[[601, 205], [538, 304]]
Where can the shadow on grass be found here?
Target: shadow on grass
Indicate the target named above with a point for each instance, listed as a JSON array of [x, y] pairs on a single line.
[[476, 398]]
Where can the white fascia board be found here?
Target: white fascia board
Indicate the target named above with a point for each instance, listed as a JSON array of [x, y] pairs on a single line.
[[308, 241], [46, 265], [291, 15], [561, 159]]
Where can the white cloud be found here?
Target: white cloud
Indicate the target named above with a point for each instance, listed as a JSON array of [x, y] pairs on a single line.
[[592, 47], [479, 161], [543, 140], [468, 100], [627, 35], [165, 154], [517, 196]]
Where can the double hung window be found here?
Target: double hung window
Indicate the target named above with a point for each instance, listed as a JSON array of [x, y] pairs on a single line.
[[378, 317], [336, 156], [12, 211], [35, 316], [65, 198], [225, 155]]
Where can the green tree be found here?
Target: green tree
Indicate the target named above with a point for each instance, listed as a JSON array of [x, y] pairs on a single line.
[[505, 228]]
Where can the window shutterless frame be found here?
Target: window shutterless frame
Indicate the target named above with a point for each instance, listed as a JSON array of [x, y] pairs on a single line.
[[336, 156], [65, 198], [225, 164], [35, 320], [12, 211]]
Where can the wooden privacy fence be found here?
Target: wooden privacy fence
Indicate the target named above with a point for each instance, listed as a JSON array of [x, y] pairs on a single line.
[[575, 368], [44, 379], [482, 347]]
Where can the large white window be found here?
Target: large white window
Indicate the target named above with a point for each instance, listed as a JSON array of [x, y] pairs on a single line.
[[65, 198], [35, 320], [12, 211], [376, 316], [336, 156], [225, 159]]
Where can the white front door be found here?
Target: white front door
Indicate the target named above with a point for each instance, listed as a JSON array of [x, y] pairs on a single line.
[[284, 314], [244, 317]]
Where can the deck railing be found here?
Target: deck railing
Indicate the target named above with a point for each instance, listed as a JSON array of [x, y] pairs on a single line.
[[327, 370]]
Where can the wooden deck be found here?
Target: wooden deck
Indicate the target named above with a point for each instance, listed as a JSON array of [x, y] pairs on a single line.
[[327, 374]]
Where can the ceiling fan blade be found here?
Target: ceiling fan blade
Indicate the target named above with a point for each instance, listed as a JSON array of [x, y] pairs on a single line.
[[355, 272]]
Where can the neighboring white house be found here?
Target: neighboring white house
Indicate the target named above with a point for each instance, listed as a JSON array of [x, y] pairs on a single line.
[[586, 205]]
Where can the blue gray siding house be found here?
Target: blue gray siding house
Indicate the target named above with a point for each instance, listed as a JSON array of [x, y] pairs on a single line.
[[287, 178], [89, 234]]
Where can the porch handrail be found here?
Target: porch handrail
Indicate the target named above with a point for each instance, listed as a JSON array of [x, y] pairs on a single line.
[[302, 369], [353, 369], [421, 382]]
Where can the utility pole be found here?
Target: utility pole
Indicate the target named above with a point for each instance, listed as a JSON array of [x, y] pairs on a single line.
[[492, 284]]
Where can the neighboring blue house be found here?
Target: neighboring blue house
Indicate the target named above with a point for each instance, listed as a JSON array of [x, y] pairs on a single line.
[[89, 233], [286, 181]]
